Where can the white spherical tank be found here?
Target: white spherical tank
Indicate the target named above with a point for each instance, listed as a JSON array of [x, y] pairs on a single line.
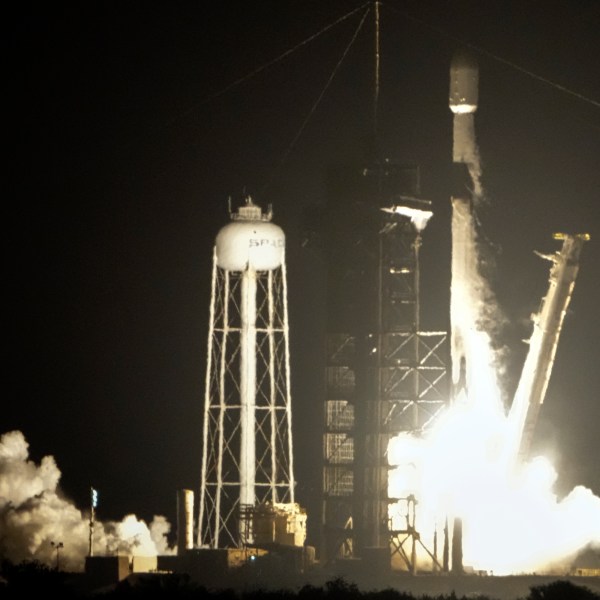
[[258, 245]]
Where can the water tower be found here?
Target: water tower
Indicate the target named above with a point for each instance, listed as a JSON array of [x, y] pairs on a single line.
[[247, 458]]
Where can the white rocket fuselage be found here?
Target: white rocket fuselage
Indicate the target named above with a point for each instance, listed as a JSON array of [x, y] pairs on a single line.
[[463, 100], [464, 84]]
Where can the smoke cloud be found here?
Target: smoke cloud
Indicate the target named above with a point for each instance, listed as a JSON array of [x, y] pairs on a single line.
[[34, 514], [512, 521]]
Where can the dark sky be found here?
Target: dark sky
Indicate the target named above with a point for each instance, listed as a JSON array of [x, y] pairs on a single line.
[[123, 152]]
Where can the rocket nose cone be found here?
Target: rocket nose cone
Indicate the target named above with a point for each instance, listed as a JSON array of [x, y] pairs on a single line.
[[464, 82], [463, 59]]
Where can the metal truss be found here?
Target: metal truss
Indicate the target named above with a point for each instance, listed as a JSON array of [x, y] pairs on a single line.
[[221, 523], [405, 542], [379, 360], [414, 379]]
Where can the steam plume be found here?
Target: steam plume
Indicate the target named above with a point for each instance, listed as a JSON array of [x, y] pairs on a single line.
[[34, 513]]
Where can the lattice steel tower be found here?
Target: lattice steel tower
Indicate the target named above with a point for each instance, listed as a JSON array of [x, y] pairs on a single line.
[[384, 374], [247, 455]]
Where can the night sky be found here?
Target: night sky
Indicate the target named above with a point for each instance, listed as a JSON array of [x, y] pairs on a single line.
[[126, 138]]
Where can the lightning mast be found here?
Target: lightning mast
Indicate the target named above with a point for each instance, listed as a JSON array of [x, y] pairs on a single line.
[[383, 374]]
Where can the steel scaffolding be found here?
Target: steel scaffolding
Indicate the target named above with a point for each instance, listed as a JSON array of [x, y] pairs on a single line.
[[384, 375]]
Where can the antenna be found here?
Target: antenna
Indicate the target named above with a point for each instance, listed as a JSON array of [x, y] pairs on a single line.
[[377, 68]]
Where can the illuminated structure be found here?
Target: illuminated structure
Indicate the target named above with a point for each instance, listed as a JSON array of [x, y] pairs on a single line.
[[185, 521], [247, 443], [547, 325], [463, 101], [474, 372], [384, 375]]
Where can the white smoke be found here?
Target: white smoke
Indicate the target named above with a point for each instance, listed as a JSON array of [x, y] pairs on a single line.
[[511, 523], [34, 515], [512, 520]]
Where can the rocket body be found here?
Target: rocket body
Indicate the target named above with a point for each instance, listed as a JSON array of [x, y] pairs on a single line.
[[463, 100]]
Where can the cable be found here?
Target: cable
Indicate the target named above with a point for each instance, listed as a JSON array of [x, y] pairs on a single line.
[[377, 70], [183, 113], [495, 57], [266, 65], [317, 102]]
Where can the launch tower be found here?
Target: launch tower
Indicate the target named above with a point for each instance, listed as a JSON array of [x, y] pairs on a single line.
[[384, 375]]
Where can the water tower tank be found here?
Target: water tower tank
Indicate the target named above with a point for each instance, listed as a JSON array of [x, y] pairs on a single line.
[[247, 457], [250, 241]]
